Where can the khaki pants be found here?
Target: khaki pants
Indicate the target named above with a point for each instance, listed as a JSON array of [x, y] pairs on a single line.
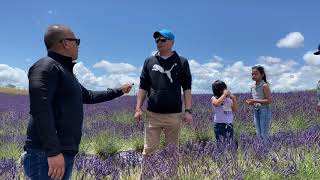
[[155, 123]]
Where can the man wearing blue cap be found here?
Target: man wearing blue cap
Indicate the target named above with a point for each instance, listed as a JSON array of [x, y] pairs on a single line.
[[318, 86], [162, 77]]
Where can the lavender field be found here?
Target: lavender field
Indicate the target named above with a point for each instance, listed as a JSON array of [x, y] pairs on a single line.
[[112, 142]]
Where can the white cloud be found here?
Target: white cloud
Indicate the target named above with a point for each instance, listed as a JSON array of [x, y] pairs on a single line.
[[292, 40], [269, 60], [311, 59], [89, 80], [277, 66], [115, 67], [283, 74], [13, 76]]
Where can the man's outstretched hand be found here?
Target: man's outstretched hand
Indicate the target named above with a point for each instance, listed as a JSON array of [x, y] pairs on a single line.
[[126, 88]]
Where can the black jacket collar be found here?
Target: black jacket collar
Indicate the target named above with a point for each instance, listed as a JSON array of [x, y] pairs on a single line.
[[63, 60]]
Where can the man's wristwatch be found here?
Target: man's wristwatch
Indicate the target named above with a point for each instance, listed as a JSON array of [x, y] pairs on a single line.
[[188, 110]]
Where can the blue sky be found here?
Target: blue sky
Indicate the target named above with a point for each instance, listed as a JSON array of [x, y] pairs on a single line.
[[223, 32]]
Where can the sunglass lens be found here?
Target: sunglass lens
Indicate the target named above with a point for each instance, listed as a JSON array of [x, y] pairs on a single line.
[[160, 40]]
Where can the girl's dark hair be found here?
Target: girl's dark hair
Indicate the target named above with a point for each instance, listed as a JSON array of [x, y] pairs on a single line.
[[218, 87], [262, 72]]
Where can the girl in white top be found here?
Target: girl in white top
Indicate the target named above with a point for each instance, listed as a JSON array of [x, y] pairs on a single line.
[[224, 104]]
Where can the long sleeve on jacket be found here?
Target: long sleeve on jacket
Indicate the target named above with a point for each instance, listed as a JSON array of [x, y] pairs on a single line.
[[42, 86]]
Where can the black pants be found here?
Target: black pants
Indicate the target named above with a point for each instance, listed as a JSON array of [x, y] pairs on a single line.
[[223, 130]]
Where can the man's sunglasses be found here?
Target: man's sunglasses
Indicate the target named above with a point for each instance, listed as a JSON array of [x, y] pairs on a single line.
[[72, 39], [160, 40]]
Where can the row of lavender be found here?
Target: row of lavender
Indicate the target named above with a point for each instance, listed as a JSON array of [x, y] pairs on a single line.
[[289, 155], [295, 131]]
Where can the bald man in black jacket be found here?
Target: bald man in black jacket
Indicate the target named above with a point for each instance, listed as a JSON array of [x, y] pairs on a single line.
[[56, 107]]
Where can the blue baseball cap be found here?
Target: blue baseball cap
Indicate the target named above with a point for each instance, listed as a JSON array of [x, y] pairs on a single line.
[[166, 33], [318, 52]]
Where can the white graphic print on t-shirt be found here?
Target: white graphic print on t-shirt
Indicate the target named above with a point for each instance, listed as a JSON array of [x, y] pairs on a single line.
[[157, 67]]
